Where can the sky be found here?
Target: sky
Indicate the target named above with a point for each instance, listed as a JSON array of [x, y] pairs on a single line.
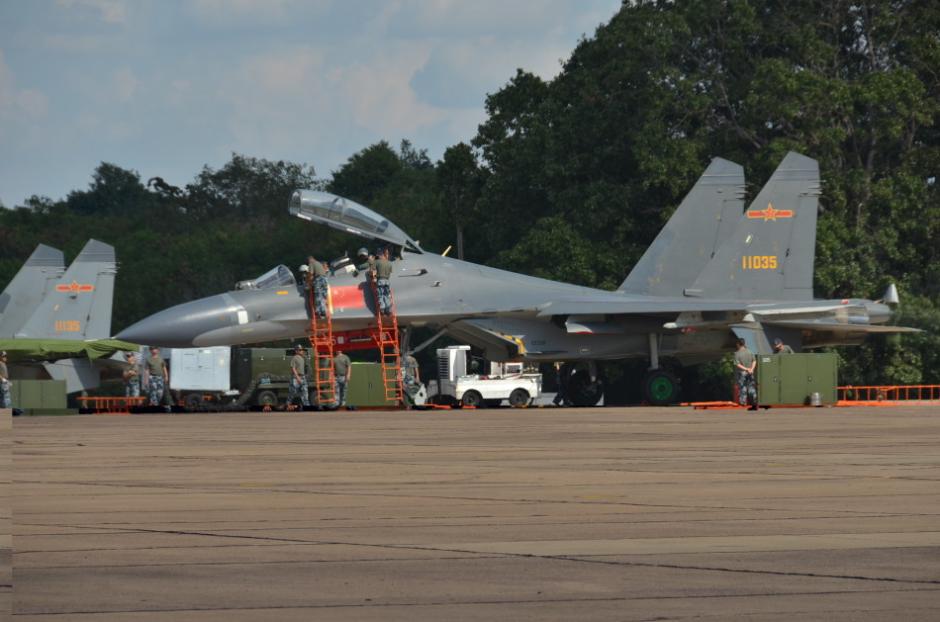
[[165, 87]]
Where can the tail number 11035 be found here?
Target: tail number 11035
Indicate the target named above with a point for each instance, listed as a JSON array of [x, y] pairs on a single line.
[[758, 262]]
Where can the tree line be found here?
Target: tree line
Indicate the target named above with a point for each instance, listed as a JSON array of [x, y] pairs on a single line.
[[571, 178]]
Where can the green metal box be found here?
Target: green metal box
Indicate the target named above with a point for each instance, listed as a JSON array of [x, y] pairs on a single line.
[[38, 394], [793, 378], [366, 388]]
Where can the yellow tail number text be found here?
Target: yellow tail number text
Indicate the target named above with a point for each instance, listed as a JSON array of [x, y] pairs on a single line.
[[758, 262], [68, 326]]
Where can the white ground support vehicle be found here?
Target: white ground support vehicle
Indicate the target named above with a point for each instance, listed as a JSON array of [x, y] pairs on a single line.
[[506, 382]]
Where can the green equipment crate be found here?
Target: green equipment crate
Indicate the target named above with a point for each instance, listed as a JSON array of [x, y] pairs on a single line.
[[793, 378], [366, 389], [39, 395]]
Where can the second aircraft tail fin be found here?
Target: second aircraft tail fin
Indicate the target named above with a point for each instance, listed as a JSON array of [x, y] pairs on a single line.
[[25, 292]]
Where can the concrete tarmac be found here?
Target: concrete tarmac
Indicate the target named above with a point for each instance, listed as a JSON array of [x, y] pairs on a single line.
[[538, 514]]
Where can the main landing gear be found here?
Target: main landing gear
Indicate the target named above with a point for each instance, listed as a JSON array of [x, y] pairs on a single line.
[[583, 386], [660, 386]]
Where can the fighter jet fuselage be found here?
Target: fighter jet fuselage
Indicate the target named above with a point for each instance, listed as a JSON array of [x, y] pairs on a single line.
[[716, 272]]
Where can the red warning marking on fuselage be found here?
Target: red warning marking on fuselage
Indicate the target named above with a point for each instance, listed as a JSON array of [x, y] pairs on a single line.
[[348, 296]]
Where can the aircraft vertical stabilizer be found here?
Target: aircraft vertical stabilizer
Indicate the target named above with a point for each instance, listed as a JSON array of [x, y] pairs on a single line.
[[699, 226], [25, 292], [771, 253], [79, 306]]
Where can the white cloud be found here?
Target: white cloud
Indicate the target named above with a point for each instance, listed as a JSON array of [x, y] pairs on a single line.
[[293, 99], [109, 11], [18, 104], [125, 84], [459, 73], [73, 42], [225, 12]]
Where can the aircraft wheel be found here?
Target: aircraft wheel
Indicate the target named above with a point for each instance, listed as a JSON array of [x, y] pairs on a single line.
[[661, 388], [267, 399], [582, 391], [192, 402], [518, 398], [472, 398]]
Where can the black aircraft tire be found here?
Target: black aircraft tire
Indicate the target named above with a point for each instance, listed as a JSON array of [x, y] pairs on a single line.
[[266, 398], [472, 399], [518, 398], [193, 402], [661, 388], [582, 391]]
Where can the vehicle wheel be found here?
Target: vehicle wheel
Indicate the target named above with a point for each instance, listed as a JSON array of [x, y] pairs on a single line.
[[582, 391], [472, 399], [193, 402], [661, 388], [518, 398], [266, 398], [493, 403]]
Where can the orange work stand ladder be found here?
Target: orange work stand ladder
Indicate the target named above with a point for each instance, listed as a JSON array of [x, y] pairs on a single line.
[[321, 342], [386, 340]]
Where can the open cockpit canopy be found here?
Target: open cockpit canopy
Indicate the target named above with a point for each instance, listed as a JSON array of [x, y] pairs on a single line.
[[279, 276], [349, 216]]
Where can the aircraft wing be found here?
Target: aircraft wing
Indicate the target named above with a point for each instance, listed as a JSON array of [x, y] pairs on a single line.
[[647, 306], [39, 350]]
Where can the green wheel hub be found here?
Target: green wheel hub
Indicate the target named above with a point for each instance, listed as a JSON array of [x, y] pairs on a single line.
[[662, 388]]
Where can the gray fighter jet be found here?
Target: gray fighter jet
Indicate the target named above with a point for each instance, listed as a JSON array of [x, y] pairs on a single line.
[[713, 273]]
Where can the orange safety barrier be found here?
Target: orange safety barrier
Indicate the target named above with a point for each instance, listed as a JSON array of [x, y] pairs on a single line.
[[880, 395], [110, 404]]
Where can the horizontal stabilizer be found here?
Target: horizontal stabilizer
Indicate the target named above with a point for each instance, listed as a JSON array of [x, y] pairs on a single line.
[[840, 327]]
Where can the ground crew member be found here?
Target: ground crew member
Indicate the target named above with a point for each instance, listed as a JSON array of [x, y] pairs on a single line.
[[363, 261], [781, 348], [298, 381], [744, 364], [342, 368], [317, 273], [6, 401], [157, 376], [131, 376], [560, 397], [383, 271], [411, 375]]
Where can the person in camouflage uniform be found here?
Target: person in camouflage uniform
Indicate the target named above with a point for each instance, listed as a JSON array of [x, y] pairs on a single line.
[[158, 376], [317, 274], [298, 388], [5, 400], [342, 368], [744, 364], [383, 271], [131, 377]]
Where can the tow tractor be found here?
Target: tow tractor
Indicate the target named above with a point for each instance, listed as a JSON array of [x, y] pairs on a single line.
[[456, 385]]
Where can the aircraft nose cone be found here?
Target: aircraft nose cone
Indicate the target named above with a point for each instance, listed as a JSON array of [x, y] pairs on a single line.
[[181, 326]]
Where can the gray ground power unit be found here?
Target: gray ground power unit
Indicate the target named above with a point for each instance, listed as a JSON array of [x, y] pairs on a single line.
[[794, 378]]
